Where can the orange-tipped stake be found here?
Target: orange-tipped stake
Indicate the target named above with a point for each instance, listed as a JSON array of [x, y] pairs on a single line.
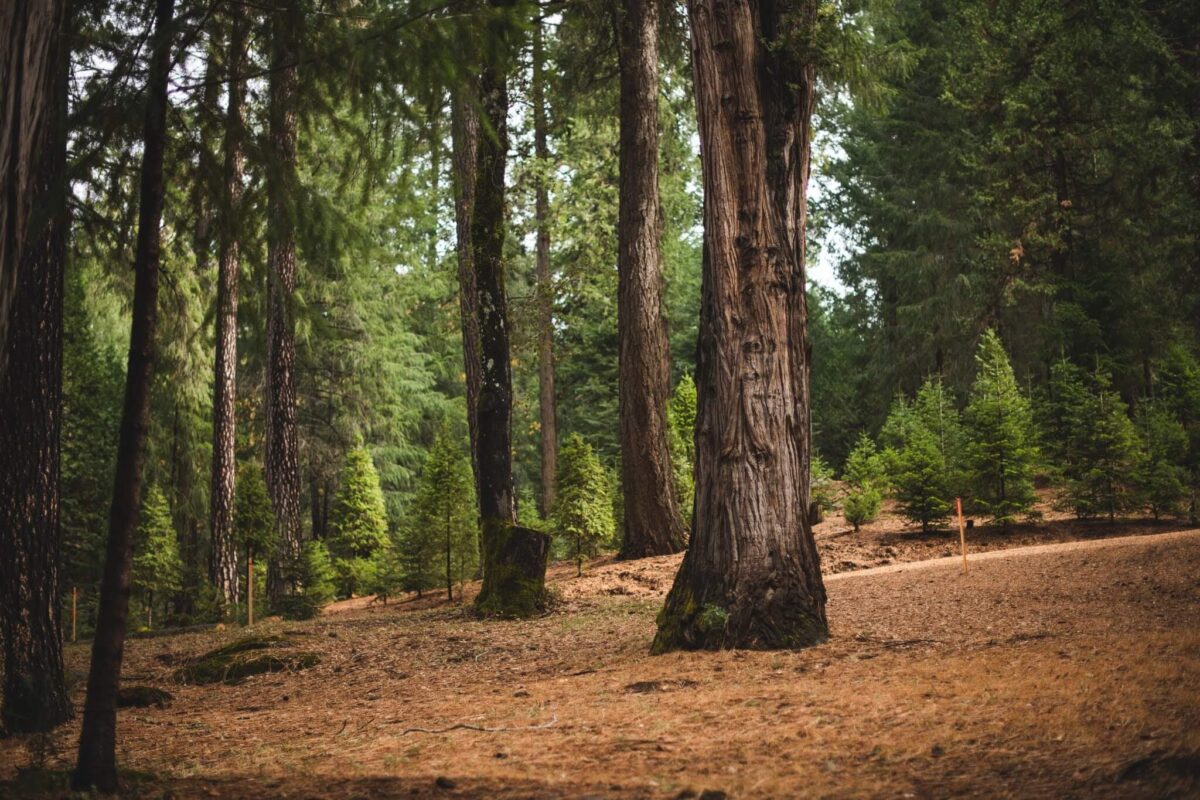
[[962, 532]]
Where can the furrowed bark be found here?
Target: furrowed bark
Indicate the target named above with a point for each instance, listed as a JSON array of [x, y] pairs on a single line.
[[223, 563], [96, 766], [751, 577], [465, 133], [547, 414], [653, 525], [283, 461], [33, 235], [514, 558]]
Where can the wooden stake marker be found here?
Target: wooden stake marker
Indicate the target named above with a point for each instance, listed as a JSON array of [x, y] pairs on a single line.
[[250, 592], [962, 532]]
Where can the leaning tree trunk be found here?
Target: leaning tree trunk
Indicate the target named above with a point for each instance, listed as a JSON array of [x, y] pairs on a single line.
[[547, 415], [223, 560], [97, 741], [33, 236], [283, 461], [653, 525], [751, 577], [514, 558]]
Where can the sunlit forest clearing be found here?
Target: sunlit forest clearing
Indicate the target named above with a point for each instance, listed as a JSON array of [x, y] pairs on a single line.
[[599, 398]]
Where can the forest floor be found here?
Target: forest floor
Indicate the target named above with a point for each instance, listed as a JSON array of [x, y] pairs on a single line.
[[1067, 669]]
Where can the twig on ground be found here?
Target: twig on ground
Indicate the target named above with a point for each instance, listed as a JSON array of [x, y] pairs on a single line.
[[484, 729]]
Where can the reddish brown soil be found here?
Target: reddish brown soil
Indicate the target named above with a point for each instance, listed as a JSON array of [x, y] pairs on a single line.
[[1071, 671]]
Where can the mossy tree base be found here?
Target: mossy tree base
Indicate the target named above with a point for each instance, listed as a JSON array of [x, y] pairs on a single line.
[[754, 615], [514, 570]]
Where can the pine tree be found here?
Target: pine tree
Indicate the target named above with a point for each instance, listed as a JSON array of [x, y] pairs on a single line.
[[157, 567], [440, 546], [681, 418], [920, 438], [1000, 434], [254, 522], [864, 480], [918, 478], [583, 513], [821, 491], [358, 522], [1093, 444], [1161, 475]]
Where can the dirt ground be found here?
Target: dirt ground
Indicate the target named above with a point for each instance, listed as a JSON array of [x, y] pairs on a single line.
[[1064, 671]]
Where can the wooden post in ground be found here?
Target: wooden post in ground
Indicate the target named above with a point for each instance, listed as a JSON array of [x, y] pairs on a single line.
[[962, 532], [250, 592], [74, 612]]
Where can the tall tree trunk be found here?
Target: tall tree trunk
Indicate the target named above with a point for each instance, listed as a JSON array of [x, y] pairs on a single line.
[[223, 562], [514, 558], [97, 740], [465, 133], [751, 577], [33, 236], [547, 415], [653, 525], [283, 462]]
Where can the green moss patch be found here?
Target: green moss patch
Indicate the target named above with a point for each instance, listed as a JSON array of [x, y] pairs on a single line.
[[143, 697], [239, 660]]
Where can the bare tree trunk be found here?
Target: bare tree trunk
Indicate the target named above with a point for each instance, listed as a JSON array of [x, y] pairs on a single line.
[[465, 132], [97, 740], [33, 236], [751, 577], [514, 558], [283, 461], [653, 525], [547, 415], [223, 563]]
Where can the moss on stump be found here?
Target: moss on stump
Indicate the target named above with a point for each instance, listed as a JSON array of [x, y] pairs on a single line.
[[514, 570]]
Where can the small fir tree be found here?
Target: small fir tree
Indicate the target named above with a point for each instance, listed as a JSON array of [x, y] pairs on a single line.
[[254, 522], [918, 478], [1000, 434], [918, 437], [583, 509], [359, 517], [1095, 444], [253, 519], [934, 409], [157, 567], [441, 546], [864, 481], [821, 490], [681, 415], [1162, 476]]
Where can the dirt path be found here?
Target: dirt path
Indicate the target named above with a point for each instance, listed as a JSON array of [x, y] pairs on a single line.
[[1062, 671], [1140, 540]]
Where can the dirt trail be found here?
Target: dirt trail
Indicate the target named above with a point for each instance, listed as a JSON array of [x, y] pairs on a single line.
[[1063, 671], [1140, 540]]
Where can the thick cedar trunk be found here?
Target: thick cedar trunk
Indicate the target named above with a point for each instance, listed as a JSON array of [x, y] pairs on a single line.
[[465, 133], [223, 561], [282, 462], [548, 423], [751, 577], [653, 525], [97, 740], [33, 235], [514, 558]]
